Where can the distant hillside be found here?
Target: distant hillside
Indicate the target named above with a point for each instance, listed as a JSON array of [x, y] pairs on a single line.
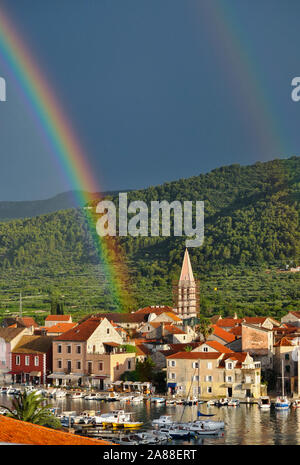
[[29, 209], [251, 222]]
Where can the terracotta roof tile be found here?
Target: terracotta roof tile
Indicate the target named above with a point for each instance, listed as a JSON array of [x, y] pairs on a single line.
[[33, 344], [21, 432], [196, 355], [59, 327], [225, 335], [65, 318], [218, 347]]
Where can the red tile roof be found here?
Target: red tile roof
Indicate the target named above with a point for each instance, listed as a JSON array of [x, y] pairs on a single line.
[[173, 329], [60, 327], [236, 331], [228, 322], [218, 347], [221, 333], [65, 318], [82, 331], [283, 342], [20, 432], [238, 356], [28, 321], [157, 310], [142, 349], [196, 355]]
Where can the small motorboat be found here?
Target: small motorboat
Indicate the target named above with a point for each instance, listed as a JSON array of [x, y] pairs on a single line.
[[3, 390], [282, 403], [296, 403], [11, 391], [92, 396], [158, 400], [171, 402], [208, 424], [163, 420], [58, 393], [77, 395], [211, 403], [178, 432], [233, 403], [130, 440], [222, 402], [112, 397], [191, 401], [264, 402], [136, 399]]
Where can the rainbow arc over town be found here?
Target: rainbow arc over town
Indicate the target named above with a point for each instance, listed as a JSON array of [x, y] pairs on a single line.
[[55, 128]]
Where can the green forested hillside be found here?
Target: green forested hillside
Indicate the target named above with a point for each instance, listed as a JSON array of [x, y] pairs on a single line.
[[251, 225]]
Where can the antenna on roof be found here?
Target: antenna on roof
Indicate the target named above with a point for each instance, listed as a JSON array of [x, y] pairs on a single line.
[[20, 304]]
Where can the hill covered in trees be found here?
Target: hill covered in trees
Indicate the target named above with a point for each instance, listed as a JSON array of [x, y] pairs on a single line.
[[251, 225]]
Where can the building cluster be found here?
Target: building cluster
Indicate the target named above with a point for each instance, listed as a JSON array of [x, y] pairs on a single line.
[[234, 360]]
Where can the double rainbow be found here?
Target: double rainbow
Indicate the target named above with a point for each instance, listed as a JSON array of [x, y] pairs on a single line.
[[59, 136]]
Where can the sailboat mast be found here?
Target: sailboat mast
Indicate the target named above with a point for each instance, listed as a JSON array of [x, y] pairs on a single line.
[[282, 379]]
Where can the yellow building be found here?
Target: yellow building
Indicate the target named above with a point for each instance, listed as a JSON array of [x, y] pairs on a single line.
[[213, 374]]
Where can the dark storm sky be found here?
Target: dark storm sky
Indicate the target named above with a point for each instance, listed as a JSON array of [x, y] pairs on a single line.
[[156, 90]]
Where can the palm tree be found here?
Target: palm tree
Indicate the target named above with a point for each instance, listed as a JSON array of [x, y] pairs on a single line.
[[204, 328], [30, 408]]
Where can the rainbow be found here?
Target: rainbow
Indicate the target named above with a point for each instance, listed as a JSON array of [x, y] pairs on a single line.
[[55, 128], [243, 76]]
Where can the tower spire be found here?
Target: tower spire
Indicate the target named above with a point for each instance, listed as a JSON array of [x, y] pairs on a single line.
[[186, 290]]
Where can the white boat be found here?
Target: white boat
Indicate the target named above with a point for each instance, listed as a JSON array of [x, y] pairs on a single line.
[[11, 391], [209, 424], [158, 400], [222, 402], [210, 403], [77, 395], [137, 399], [282, 402], [171, 402], [264, 402], [148, 438], [128, 440], [117, 418], [58, 393], [112, 397], [191, 401], [177, 432], [233, 403], [92, 396], [296, 403], [3, 390], [163, 420]]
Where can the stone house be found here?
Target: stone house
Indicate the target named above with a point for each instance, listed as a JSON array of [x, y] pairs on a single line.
[[213, 374]]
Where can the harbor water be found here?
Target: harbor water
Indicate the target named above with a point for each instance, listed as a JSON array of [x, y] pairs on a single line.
[[244, 425]]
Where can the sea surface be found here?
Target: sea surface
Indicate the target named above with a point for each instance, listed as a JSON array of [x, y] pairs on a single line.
[[244, 425]]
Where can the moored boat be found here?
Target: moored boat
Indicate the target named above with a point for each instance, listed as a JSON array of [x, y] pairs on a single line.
[[233, 403], [282, 403], [296, 403], [163, 420], [264, 402]]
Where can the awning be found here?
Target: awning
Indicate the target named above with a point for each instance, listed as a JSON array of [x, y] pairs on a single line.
[[35, 373], [172, 385], [113, 344], [128, 382], [118, 382], [98, 377], [64, 376]]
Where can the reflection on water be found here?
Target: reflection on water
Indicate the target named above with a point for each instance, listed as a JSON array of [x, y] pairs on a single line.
[[243, 425]]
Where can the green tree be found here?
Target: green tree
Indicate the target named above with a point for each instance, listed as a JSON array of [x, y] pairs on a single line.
[[30, 408], [204, 328]]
